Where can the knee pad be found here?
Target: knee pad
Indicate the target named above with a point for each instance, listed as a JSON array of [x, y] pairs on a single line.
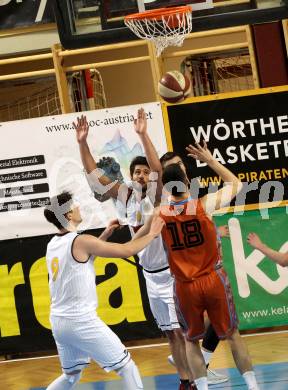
[[210, 340], [131, 376]]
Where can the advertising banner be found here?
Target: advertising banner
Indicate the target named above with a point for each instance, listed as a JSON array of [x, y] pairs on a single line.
[[247, 134], [40, 158], [23, 13], [25, 301], [260, 287]]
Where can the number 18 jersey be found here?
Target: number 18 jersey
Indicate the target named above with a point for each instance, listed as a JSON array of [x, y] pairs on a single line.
[[190, 238]]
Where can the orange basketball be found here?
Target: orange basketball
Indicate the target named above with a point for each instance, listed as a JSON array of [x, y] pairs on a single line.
[[174, 86]]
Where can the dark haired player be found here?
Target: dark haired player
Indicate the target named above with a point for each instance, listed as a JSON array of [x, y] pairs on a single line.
[[136, 201], [78, 331], [201, 283]]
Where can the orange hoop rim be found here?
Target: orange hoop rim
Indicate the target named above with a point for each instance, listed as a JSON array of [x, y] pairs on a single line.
[[158, 13]]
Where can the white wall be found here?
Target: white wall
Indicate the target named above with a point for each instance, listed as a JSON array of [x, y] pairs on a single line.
[[27, 42]]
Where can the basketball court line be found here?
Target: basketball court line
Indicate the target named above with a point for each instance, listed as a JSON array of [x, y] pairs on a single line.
[[269, 376], [138, 347]]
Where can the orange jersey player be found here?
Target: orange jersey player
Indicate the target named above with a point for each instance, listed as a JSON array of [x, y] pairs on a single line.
[[201, 283], [189, 236], [195, 261]]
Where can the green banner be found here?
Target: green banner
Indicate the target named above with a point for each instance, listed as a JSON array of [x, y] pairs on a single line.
[[260, 287]]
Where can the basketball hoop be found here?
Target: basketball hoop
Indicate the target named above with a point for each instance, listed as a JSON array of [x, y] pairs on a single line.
[[163, 26]]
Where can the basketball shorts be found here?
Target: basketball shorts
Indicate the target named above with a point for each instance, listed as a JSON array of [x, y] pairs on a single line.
[[87, 338], [160, 287], [211, 293]]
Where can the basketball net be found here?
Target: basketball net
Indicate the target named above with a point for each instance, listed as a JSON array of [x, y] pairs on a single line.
[[164, 26]]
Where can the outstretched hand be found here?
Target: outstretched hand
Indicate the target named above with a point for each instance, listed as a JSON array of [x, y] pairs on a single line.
[[140, 123], [254, 240], [199, 152], [82, 128], [223, 231], [156, 225]]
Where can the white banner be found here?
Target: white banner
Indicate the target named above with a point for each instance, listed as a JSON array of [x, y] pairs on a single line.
[[40, 158]]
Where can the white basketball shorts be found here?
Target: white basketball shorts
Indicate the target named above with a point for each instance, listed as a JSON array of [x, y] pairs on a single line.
[[160, 294], [80, 339]]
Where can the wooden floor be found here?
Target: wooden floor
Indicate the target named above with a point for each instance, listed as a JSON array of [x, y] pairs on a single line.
[[151, 360]]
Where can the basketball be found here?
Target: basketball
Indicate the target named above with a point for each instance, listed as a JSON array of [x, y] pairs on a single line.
[[174, 87]]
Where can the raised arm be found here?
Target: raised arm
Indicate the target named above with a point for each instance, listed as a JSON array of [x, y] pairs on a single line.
[[97, 180], [278, 257], [140, 125], [82, 130], [87, 245], [232, 185]]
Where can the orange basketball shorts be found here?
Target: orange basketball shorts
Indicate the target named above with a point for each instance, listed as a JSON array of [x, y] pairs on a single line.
[[211, 293]]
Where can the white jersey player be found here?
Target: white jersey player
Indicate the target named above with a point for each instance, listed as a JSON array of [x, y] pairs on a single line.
[[137, 203], [154, 262], [80, 335]]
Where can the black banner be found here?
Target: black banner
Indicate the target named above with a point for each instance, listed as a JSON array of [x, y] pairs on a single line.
[[23, 13], [248, 135], [23, 176], [24, 298], [22, 161], [10, 192]]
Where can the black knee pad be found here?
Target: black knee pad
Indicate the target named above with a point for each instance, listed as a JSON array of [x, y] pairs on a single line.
[[210, 340]]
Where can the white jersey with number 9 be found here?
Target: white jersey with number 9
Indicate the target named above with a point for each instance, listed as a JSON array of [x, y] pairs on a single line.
[[71, 283]]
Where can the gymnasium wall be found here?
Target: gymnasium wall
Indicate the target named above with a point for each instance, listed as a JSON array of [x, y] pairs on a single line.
[[131, 82], [13, 42], [260, 287]]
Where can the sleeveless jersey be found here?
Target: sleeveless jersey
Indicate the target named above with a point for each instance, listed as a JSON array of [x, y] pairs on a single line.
[[190, 238], [153, 257], [71, 283]]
